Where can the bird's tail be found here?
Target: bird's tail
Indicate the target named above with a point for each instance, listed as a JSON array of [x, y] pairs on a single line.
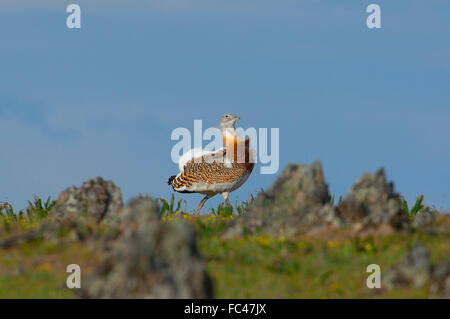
[[171, 178]]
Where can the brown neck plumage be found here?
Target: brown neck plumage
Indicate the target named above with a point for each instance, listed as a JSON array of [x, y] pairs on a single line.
[[238, 149]]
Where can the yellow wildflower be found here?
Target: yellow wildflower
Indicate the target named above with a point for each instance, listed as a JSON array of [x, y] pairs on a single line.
[[334, 286], [264, 240], [44, 267], [332, 244], [301, 245]]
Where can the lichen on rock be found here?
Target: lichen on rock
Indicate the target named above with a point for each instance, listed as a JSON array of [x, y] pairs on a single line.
[[372, 205], [96, 197], [149, 259]]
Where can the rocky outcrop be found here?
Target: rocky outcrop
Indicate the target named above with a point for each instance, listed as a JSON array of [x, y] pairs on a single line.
[[139, 255], [299, 188], [299, 202], [426, 221], [416, 270], [77, 214], [96, 198], [440, 280], [149, 259], [296, 201], [372, 205]]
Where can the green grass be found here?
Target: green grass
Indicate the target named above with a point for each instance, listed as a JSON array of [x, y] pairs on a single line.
[[36, 211], [417, 208], [268, 267], [333, 199], [168, 208], [38, 269], [247, 267], [39, 284]]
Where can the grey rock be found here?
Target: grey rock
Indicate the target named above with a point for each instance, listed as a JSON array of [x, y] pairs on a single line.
[[298, 188], [415, 269], [291, 205], [96, 197], [424, 220], [149, 259], [323, 219], [440, 280], [372, 201], [77, 213]]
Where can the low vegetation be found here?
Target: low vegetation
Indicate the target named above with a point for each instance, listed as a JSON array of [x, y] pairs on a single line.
[[254, 266]]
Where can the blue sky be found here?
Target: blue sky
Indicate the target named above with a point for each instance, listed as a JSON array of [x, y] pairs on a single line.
[[104, 99]]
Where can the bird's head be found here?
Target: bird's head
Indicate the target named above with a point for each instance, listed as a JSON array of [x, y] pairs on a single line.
[[228, 121]]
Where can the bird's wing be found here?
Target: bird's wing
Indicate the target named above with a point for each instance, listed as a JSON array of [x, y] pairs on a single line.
[[197, 154], [212, 168]]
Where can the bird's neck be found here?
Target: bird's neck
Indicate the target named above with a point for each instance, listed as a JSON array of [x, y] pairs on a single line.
[[237, 147], [231, 137]]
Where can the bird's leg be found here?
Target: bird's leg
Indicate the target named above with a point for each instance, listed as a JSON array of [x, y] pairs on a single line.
[[202, 202], [225, 197]]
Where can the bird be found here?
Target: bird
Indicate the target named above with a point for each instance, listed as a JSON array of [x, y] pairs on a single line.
[[213, 172]]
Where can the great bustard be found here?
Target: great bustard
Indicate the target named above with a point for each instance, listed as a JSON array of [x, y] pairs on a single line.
[[221, 171]]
